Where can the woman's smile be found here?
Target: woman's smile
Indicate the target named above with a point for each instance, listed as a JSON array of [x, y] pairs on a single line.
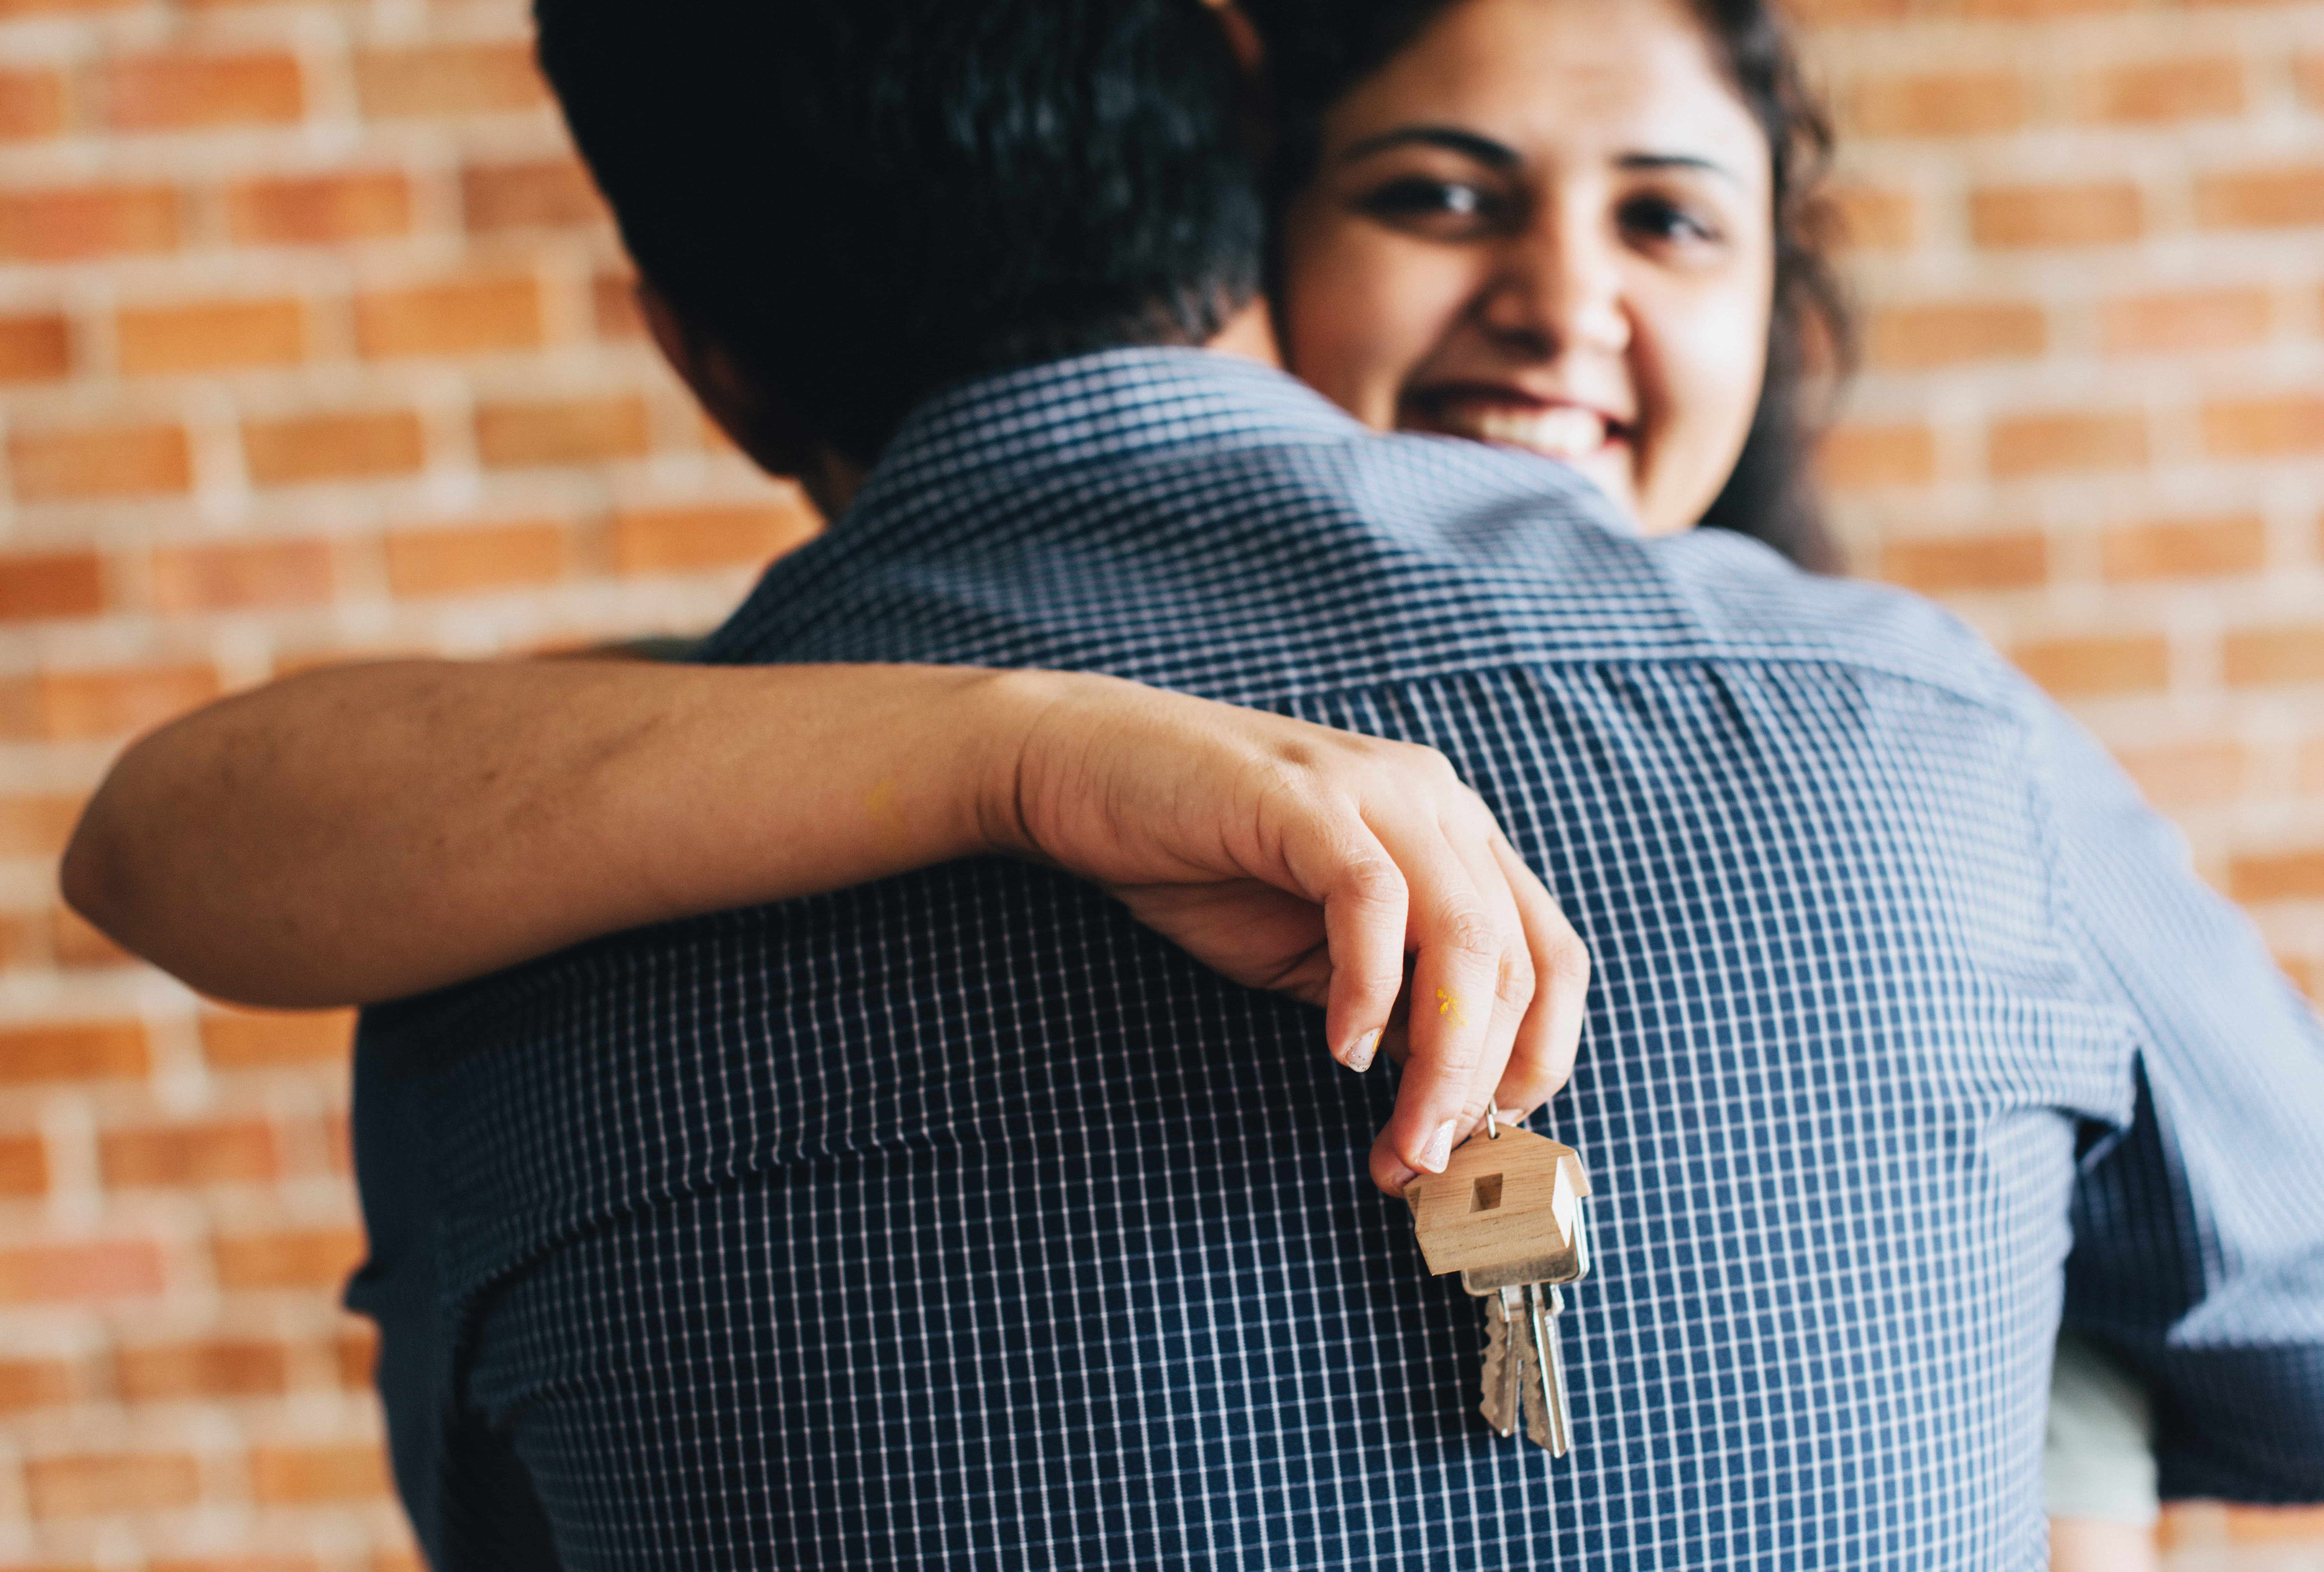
[[1546, 224]]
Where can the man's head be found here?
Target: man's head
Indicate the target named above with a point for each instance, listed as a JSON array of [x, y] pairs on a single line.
[[844, 205]]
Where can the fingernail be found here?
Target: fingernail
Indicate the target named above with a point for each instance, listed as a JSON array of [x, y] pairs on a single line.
[[1440, 1147], [1360, 1058]]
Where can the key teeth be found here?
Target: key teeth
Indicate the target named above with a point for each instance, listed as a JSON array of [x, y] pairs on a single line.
[[1497, 1382]]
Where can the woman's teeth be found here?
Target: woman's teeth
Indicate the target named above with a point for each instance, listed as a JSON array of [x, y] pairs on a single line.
[[1561, 432]]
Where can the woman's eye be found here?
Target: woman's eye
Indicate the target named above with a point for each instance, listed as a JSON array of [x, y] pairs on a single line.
[[1659, 218], [1433, 204]]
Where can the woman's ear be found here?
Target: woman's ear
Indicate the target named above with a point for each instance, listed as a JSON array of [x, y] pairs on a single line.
[[758, 419]]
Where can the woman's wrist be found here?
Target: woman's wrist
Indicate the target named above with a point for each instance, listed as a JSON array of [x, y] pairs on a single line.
[[1007, 714]]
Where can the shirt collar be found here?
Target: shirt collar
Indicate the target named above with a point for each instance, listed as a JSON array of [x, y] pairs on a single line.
[[1112, 406]]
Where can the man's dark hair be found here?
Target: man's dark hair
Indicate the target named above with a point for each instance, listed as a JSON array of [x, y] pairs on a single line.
[[863, 200]]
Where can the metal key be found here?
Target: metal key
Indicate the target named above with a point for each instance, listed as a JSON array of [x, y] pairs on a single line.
[[1510, 1213], [1504, 1370]]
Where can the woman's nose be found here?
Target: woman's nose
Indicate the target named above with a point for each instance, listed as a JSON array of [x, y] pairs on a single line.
[[1558, 290]]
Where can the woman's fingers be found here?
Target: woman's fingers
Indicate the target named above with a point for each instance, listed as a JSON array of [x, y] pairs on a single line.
[[1463, 937], [1543, 1056], [1366, 907]]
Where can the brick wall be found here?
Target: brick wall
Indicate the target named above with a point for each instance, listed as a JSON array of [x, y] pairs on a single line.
[[314, 342]]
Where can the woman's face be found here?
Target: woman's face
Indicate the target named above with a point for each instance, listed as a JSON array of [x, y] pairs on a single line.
[[1547, 223]]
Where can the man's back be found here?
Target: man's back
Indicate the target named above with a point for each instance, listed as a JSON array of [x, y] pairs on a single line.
[[959, 1219]]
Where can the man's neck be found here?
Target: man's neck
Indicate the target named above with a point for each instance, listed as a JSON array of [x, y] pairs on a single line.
[[832, 481], [1249, 334]]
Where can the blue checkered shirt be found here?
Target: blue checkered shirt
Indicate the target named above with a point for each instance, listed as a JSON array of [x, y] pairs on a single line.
[[957, 1220]]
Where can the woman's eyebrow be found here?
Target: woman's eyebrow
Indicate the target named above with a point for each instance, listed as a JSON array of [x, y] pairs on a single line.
[[1483, 149], [1676, 160]]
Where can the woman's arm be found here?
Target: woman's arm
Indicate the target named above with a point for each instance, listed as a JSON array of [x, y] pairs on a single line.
[[372, 831]]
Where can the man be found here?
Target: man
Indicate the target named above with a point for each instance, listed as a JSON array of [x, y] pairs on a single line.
[[958, 1219]]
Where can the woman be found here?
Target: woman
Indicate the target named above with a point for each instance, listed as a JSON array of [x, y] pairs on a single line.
[[1585, 228]]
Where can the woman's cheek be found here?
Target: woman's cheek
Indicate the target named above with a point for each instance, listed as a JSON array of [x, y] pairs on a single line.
[[1704, 376], [1365, 312]]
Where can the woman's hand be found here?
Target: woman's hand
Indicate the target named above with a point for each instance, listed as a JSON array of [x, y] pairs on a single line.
[[1314, 862]]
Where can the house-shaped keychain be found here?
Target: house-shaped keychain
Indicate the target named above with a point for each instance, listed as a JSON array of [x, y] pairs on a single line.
[[1506, 1210]]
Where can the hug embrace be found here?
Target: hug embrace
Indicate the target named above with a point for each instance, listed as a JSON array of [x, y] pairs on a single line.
[[1318, 523]]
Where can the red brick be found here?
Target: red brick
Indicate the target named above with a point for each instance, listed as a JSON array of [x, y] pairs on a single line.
[[1937, 104], [214, 336], [2185, 319], [333, 447], [2276, 1525], [2015, 217], [195, 1370], [424, 563], [32, 105], [36, 1383], [319, 209], [34, 348], [299, 1258], [50, 1273], [614, 298], [2188, 774], [2295, 876], [1839, 13], [2033, 10], [2267, 655], [108, 1051], [1915, 337], [2154, 92], [2022, 445], [75, 941], [242, 574], [2308, 76], [92, 1485], [74, 466], [260, 1039], [115, 704], [467, 316], [2285, 423], [182, 92], [2010, 562], [19, 941], [36, 827], [2307, 976], [24, 1166], [283, 1476], [69, 226], [355, 1351], [569, 432], [448, 78], [20, 708], [678, 540], [1858, 457], [168, 1156], [2090, 667], [2266, 198], [551, 193], [2184, 548], [64, 584]]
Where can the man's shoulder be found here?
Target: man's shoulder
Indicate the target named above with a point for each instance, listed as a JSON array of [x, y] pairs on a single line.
[[1264, 565]]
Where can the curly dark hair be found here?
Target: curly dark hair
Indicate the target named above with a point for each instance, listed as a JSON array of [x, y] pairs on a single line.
[[1317, 50]]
